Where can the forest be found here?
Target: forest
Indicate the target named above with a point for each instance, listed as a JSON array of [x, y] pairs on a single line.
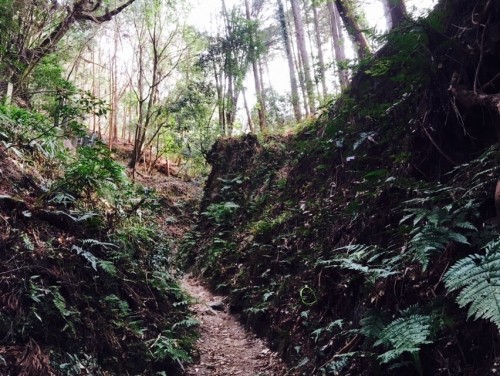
[[249, 187]]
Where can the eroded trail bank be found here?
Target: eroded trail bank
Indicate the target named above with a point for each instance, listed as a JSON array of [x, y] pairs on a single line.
[[225, 347]]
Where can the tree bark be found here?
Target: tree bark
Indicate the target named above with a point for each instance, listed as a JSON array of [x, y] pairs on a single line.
[[353, 29], [301, 46], [291, 66], [395, 12], [249, 115], [321, 59], [338, 42], [261, 110]]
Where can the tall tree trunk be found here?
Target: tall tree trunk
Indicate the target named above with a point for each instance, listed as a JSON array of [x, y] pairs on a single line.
[[321, 59], [251, 126], [113, 118], [301, 46], [220, 99], [98, 94], [353, 28], [139, 127], [94, 93], [231, 99], [312, 56], [230, 105], [338, 42], [395, 12], [114, 93], [263, 87], [291, 66], [302, 82], [261, 110]]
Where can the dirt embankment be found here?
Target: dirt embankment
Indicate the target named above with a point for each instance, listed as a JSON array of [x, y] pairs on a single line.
[[336, 242]]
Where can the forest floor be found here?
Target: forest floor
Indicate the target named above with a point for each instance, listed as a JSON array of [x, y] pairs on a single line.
[[225, 347]]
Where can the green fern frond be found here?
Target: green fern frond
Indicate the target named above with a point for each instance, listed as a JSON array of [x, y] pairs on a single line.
[[434, 229], [366, 259], [337, 364], [466, 226], [404, 335], [94, 242], [372, 324], [108, 267], [478, 278]]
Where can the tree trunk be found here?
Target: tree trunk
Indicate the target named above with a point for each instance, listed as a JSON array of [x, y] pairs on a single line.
[[301, 46], [395, 12], [291, 66], [338, 43], [261, 110], [251, 126], [353, 29], [321, 59]]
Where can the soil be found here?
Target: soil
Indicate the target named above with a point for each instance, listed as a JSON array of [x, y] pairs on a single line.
[[225, 347]]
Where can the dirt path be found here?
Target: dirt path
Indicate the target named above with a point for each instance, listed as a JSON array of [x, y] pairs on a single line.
[[226, 349]]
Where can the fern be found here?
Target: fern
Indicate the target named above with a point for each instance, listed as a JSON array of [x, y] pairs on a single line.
[[337, 364], [362, 258], [405, 335], [434, 229], [186, 323], [94, 261], [372, 324], [478, 278]]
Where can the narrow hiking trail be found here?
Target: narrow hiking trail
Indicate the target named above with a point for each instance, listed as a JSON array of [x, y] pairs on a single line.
[[225, 347]]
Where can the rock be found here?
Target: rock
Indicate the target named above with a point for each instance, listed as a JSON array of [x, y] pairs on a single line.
[[217, 305]]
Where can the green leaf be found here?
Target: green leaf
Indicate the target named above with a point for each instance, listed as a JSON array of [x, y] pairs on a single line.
[[404, 335], [478, 278]]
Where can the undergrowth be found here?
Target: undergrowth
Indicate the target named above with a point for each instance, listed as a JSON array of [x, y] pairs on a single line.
[[85, 280], [354, 245]]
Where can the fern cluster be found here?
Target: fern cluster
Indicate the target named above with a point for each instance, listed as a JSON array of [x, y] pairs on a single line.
[[478, 278], [433, 229], [369, 260], [404, 335]]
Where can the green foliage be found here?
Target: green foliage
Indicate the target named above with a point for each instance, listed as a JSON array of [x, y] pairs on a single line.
[[369, 260], [106, 266], [76, 364], [218, 248], [477, 277], [28, 132], [221, 213], [166, 347], [337, 364], [405, 335], [410, 64], [134, 237], [372, 324], [433, 229], [326, 331], [191, 132], [93, 170], [279, 110], [48, 302], [268, 226]]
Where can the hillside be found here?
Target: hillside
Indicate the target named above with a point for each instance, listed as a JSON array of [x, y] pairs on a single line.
[[85, 280], [367, 243]]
